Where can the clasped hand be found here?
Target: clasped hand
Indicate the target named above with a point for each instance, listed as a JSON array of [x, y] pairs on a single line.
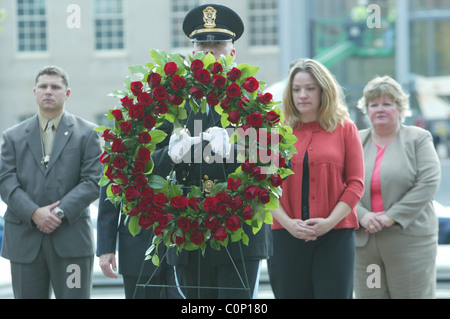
[[181, 142], [46, 219], [308, 229], [375, 222]]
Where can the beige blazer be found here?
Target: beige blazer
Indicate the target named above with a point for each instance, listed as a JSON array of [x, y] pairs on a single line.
[[410, 176]]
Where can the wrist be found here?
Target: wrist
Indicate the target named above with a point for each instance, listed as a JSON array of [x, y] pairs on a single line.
[[59, 212]]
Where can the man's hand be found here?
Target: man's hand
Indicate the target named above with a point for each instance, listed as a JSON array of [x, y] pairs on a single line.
[[45, 219], [108, 265]]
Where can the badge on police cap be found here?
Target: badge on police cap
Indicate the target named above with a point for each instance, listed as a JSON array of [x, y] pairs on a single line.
[[213, 22]]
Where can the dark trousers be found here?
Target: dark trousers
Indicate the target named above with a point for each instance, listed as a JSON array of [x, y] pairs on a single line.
[[317, 269], [70, 278], [220, 281]]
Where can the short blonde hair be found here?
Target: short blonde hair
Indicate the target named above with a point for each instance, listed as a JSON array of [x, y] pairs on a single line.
[[385, 86], [332, 109]]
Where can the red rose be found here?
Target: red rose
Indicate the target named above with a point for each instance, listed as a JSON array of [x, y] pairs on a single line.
[[178, 82], [247, 167], [144, 99], [272, 117], [144, 138], [220, 233], [234, 116], [264, 196], [232, 222], [263, 137], [138, 167], [149, 122], [196, 65], [197, 237], [233, 185], [117, 115], [218, 81], [148, 193], [211, 222], [194, 203], [222, 209], [216, 68], [160, 93], [255, 119], [251, 192], [145, 222], [136, 111], [131, 193], [170, 68], [225, 104], [160, 200], [210, 204], [203, 76], [234, 74], [125, 127], [136, 87], [250, 84], [264, 98], [145, 206], [134, 211], [119, 162], [223, 197], [118, 146], [212, 99], [179, 240], [179, 202], [116, 189], [108, 135], [105, 158], [196, 92], [158, 230], [184, 223], [175, 100], [164, 218], [276, 180], [154, 80], [161, 108], [233, 90], [143, 155], [247, 213], [256, 173], [140, 181], [236, 202], [126, 102]]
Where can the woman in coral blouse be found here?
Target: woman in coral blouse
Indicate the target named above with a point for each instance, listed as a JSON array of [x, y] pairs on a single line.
[[397, 243], [313, 229]]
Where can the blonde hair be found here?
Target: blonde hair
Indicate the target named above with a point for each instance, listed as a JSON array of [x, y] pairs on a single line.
[[332, 109], [385, 86]]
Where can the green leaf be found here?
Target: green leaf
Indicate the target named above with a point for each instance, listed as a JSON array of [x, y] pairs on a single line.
[[159, 57], [155, 260], [157, 136], [156, 182], [138, 70], [133, 225]]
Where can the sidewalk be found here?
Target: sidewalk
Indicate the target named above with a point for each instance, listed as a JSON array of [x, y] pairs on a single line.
[[5, 279]]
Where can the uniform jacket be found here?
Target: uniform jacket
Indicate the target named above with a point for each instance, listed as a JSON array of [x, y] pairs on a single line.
[[260, 245], [410, 177], [26, 184]]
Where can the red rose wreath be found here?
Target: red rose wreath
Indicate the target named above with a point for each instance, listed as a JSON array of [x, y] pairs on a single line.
[[156, 93]]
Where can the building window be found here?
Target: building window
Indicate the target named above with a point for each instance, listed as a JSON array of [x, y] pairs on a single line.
[[179, 10], [109, 25], [263, 24], [31, 26]]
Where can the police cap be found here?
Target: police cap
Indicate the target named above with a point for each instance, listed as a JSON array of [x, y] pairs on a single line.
[[212, 23]]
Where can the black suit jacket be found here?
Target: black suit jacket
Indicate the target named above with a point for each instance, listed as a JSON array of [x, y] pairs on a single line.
[[260, 245]]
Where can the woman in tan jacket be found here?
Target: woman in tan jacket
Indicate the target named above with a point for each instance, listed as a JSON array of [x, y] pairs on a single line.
[[397, 241]]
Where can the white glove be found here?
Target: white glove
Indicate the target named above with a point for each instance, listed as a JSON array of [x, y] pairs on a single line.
[[219, 140], [180, 143]]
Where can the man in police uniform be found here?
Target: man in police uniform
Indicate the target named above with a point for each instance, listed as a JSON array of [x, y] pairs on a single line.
[[212, 29]]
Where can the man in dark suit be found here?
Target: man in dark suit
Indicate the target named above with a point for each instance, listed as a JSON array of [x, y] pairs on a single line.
[[212, 29], [49, 173]]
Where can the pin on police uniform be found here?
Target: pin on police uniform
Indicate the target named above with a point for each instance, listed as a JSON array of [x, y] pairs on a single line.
[[212, 23]]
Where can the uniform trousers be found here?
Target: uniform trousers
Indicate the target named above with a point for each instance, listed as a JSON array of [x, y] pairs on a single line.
[[70, 278], [395, 265], [321, 269], [222, 281]]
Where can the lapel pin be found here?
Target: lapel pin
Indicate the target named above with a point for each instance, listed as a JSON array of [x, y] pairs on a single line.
[[66, 133]]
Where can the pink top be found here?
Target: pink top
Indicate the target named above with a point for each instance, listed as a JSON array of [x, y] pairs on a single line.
[[376, 196]]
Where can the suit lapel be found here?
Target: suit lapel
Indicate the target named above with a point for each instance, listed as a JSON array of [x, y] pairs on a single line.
[[63, 134], [34, 140]]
